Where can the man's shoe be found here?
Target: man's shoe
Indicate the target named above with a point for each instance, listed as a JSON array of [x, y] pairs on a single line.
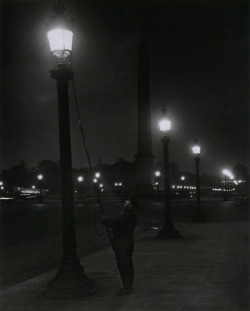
[[123, 292]]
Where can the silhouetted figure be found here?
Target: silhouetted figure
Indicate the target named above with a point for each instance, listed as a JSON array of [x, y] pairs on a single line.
[[123, 243]]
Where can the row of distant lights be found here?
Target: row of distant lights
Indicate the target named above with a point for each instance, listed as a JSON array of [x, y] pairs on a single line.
[[179, 187], [184, 187], [226, 190]]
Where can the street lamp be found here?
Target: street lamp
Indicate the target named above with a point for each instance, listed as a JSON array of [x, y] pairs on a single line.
[[199, 217], [97, 175], [227, 174], [168, 230], [70, 281], [157, 175], [40, 178], [80, 178]]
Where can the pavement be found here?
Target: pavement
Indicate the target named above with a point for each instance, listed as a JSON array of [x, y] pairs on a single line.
[[206, 270]]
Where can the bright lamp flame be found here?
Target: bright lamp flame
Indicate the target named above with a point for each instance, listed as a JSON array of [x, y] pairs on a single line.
[[60, 41], [165, 125], [196, 149], [80, 178]]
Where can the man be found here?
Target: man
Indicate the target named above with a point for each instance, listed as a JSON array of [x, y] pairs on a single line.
[[123, 243]]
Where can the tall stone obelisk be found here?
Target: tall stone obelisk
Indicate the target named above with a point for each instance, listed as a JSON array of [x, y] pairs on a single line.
[[144, 156]]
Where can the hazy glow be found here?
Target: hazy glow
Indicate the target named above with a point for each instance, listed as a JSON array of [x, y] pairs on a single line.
[[165, 125], [157, 173], [60, 39], [183, 178], [80, 178], [97, 175], [40, 176], [227, 173], [196, 149]]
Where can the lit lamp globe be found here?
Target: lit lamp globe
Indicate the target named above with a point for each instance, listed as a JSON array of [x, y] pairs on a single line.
[[157, 173], [80, 178], [164, 123], [97, 175], [196, 149], [40, 177], [60, 35]]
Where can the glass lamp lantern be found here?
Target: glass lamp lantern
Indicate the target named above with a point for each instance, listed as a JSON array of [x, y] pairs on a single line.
[[80, 178], [157, 173], [196, 148], [40, 177], [164, 123], [60, 35]]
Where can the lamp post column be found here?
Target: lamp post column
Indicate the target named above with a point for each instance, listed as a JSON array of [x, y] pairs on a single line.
[[40, 191], [168, 230], [225, 182], [40, 177], [199, 217], [62, 77], [71, 281]]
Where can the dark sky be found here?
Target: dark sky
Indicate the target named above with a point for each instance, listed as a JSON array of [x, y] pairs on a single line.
[[198, 68]]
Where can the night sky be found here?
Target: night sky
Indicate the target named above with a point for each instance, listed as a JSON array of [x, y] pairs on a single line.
[[199, 69]]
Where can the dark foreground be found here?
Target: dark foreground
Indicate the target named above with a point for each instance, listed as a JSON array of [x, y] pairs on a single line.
[[206, 270]]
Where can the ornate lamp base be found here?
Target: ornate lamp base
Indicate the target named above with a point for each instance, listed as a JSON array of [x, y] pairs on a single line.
[[70, 284], [169, 232]]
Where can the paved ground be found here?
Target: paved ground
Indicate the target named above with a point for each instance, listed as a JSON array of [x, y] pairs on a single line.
[[206, 270]]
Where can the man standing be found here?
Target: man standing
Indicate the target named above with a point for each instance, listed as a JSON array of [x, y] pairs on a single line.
[[123, 243]]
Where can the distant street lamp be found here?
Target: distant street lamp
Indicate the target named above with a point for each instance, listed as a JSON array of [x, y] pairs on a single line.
[[40, 178], [199, 217], [227, 174], [168, 230], [157, 175], [80, 178], [70, 281], [97, 175]]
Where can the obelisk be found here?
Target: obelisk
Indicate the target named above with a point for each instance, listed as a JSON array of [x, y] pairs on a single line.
[[144, 156]]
